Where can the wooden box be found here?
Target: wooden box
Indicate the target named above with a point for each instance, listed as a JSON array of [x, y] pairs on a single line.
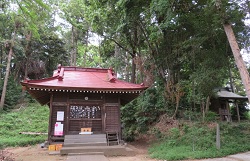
[[52, 147], [58, 147], [86, 129]]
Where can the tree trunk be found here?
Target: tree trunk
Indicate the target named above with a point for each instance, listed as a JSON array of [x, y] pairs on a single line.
[[6, 78], [1, 61], [232, 87], [176, 107], [133, 70], [7, 71], [237, 110], [203, 110], [238, 58], [28, 54], [207, 104], [73, 46], [86, 50]]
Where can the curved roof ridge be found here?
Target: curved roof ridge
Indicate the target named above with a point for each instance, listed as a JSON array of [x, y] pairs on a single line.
[[40, 80]]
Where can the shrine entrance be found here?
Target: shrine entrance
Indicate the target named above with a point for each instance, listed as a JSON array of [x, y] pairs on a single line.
[[85, 116]]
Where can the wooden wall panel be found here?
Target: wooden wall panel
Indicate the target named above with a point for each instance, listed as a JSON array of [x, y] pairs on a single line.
[[54, 117], [85, 96], [60, 97], [112, 119], [76, 125], [111, 98]]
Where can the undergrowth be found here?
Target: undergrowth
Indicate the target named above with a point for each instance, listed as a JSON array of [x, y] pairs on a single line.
[[33, 118], [198, 140]]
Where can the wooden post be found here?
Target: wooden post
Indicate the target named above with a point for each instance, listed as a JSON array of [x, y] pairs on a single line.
[[50, 118], [229, 118], [218, 136], [237, 109], [203, 111]]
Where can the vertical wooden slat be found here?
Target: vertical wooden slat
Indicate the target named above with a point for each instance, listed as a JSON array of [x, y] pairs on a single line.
[[112, 118], [104, 114], [119, 117], [67, 116], [50, 118]]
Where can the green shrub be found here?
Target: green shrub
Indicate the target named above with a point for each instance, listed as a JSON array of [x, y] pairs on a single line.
[[210, 116], [157, 133], [33, 118], [247, 115], [13, 93], [140, 114], [196, 141]]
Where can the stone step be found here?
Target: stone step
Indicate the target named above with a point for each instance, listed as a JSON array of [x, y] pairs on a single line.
[[78, 144], [87, 158], [86, 140], [117, 150], [85, 136], [89, 153]]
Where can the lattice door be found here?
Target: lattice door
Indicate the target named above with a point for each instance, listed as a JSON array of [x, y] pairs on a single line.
[[112, 119]]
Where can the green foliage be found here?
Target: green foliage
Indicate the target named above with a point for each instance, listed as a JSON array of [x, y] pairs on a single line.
[[28, 15], [50, 51], [33, 118], [247, 115], [157, 133], [243, 110], [89, 56], [196, 141], [13, 93], [210, 116], [138, 115]]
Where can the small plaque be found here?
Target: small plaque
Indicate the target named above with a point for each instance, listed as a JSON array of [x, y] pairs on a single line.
[[60, 116]]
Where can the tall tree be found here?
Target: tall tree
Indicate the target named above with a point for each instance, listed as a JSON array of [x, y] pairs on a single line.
[[10, 46], [234, 47], [238, 58], [26, 10], [73, 13]]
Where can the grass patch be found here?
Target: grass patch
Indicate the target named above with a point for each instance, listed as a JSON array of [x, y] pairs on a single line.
[[198, 140], [33, 118]]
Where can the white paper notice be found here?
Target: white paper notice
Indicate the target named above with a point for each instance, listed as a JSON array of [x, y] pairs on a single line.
[[58, 129], [60, 116]]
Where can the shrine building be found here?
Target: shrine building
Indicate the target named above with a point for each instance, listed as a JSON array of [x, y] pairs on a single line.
[[82, 98]]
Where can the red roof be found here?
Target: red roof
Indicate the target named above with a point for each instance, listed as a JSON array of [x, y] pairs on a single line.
[[77, 79]]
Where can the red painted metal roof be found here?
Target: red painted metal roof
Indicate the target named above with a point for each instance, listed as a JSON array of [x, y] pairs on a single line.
[[77, 78]]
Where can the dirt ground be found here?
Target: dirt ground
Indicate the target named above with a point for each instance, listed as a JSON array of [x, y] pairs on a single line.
[[31, 153], [36, 153]]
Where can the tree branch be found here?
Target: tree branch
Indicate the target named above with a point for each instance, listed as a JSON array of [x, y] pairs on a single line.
[[121, 46]]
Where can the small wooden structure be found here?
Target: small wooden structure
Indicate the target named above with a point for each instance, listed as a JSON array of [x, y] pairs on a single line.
[[220, 104], [82, 98]]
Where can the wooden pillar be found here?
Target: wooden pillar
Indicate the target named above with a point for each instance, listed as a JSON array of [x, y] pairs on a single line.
[[103, 110], [67, 117], [50, 118], [119, 115], [229, 119], [237, 109]]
